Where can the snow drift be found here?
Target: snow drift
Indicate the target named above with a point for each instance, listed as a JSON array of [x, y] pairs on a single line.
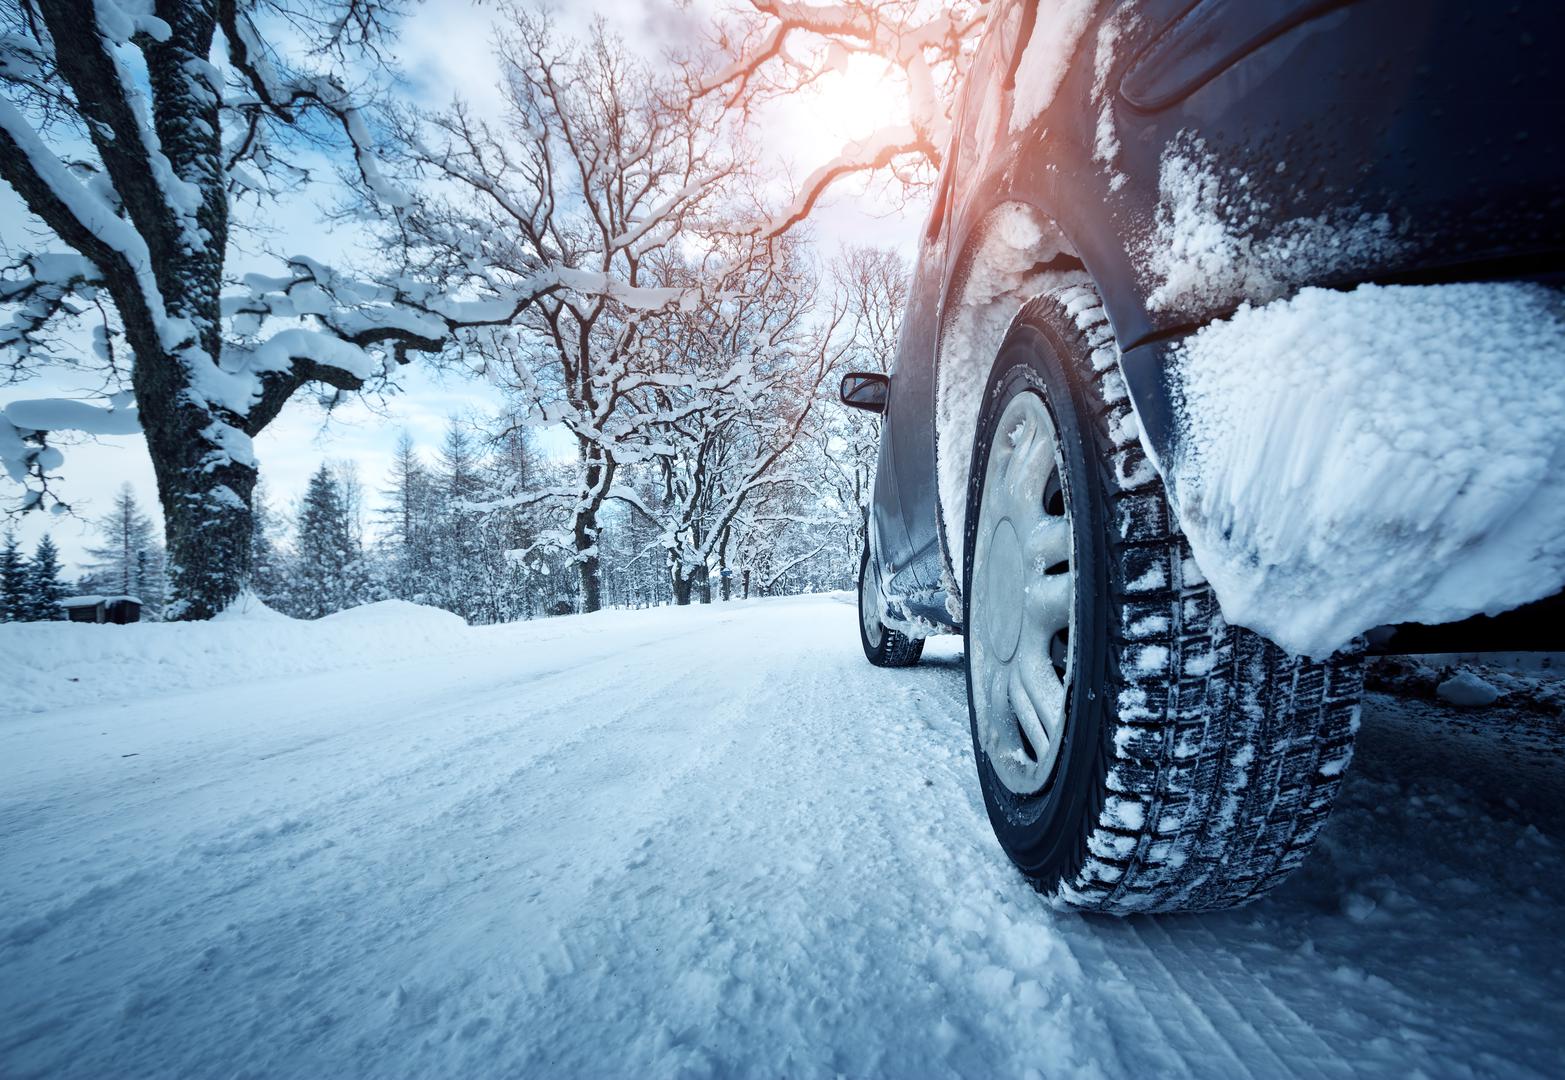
[[47, 665], [1392, 454]]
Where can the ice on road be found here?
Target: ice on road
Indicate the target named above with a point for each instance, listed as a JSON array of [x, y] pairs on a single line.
[[696, 842]]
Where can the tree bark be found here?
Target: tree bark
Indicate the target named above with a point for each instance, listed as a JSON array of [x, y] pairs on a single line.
[[597, 476], [681, 583], [205, 494], [723, 576], [587, 562]]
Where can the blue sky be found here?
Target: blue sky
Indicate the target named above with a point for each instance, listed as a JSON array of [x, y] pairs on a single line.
[[444, 52]]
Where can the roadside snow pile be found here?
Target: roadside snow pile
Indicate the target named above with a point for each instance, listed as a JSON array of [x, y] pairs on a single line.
[[55, 665], [1468, 690], [1393, 454]]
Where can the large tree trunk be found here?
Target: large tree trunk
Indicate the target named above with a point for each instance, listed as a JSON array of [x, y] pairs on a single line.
[[681, 583], [588, 564], [704, 576], [202, 459], [206, 497], [597, 476]]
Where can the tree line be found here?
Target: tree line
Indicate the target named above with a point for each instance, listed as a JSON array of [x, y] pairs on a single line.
[[30, 588], [439, 529]]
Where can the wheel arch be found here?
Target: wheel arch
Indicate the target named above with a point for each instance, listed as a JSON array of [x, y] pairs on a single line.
[[1009, 247]]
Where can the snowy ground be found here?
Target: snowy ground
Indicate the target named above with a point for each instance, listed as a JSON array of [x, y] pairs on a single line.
[[700, 842]]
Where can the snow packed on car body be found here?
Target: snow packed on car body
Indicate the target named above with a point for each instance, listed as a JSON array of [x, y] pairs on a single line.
[[1228, 246]]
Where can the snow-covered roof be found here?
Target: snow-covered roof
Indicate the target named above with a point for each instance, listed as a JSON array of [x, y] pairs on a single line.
[[93, 601]]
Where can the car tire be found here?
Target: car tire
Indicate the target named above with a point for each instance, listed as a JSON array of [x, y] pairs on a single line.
[[883, 646], [1195, 761]]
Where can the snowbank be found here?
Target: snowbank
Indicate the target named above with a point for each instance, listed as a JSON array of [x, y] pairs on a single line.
[[55, 665], [1393, 454]]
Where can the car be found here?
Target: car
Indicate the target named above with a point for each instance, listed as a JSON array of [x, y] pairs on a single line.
[[1122, 178]]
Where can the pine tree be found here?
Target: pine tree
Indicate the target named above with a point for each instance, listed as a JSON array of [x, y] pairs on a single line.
[[358, 583], [45, 590], [319, 584], [130, 562], [268, 576], [460, 566], [14, 606], [409, 528], [513, 588]]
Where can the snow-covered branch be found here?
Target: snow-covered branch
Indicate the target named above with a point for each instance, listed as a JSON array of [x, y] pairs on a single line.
[[779, 48]]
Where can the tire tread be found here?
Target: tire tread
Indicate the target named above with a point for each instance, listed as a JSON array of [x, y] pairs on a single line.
[[1224, 752]]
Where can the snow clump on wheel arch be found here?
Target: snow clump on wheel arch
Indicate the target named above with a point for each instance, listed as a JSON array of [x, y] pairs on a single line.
[[1346, 460], [1006, 268]]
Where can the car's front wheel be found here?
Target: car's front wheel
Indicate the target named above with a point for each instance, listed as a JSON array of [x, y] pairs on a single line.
[[1136, 752]]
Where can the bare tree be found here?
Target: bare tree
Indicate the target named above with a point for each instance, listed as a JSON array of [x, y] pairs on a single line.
[[603, 174], [843, 445], [721, 446], [774, 48]]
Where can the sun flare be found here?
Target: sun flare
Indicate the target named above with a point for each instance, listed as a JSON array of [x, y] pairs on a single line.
[[860, 97]]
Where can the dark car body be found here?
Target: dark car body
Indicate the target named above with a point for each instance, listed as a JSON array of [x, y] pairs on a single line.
[[1433, 124]]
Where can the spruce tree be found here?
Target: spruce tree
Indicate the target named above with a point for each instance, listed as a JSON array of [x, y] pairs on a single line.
[[460, 568], [14, 606], [129, 562], [45, 590], [358, 583], [325, 550], [268, 576], [409, 525]]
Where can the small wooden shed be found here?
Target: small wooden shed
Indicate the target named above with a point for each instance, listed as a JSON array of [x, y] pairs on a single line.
[[102, 609]]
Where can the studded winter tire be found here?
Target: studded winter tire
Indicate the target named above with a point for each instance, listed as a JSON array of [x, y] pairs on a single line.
[[1136, 753]]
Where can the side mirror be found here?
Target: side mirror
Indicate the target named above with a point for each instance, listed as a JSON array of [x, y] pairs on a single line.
[[865, 390]]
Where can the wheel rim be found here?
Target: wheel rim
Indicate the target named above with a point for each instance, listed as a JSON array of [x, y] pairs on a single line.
[[869, 607], [1022, 607]]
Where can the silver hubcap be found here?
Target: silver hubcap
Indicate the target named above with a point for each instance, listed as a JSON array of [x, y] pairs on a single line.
[[869, 608], [1023, 603]]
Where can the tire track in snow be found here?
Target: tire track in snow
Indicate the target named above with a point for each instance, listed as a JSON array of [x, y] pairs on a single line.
[[431, 800]]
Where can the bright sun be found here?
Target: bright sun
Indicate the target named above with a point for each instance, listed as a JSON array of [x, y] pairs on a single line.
[[859, 98]]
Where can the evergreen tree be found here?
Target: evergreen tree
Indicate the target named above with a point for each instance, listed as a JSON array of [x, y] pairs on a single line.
[[130, 561], [460, 568], [321, 581], [45, 590], [409, 526], [514, 590], [357, 575], [14, 606], [268, 576]]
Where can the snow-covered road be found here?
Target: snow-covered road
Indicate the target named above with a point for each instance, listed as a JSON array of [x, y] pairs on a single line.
[[698, 842]]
